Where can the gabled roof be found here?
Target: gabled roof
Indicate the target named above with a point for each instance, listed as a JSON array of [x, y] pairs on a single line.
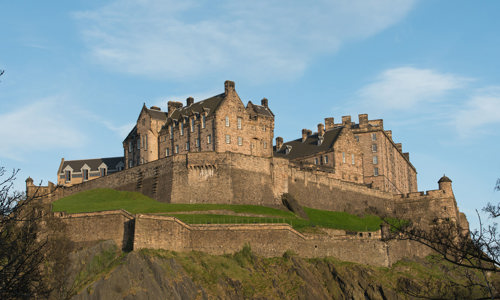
[[132, 133], [310, 145], [209, 106], [155, 114], [93, 163]]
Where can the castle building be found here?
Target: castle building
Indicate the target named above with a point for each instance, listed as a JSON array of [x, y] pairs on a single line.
[[361, 153], [72, 172], [219, 124]]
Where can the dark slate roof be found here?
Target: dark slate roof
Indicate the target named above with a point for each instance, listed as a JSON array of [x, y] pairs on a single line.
[[209, 105], [310, 145], [444, 179], [132, 133], [156, 114], [94, 163], [260, 109]]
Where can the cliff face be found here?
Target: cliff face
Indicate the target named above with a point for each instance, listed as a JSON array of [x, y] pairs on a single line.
[[155, 274]]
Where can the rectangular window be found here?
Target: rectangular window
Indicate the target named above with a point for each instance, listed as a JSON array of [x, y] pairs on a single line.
[[209, 139], [240, 141], [146, 142], [197, 143], [352, 159], [227, 121], [192, 125], [176, 149], [316, 161], [343, 157], [102, 171], [325, 159], [67, 176], [187, 146], [167, 152], [171, 131], [139, 144], [375, 159], [228, 139], [85, 174], [182, 128], [375, 171], [203, 121], [374, 136], [265, 145], [130, 163], [142, 141], [239, 123], [130, 146], [374, 148]]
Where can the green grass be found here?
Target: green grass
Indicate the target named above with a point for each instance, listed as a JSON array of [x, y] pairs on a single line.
[[133, 202]]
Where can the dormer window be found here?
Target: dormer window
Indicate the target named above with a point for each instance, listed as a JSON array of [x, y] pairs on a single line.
[[320, 140], [85, 174], [102, 171], [67, 176], [288, 149]]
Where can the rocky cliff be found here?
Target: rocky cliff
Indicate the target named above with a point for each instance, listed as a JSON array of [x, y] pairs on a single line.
[[103, 272]]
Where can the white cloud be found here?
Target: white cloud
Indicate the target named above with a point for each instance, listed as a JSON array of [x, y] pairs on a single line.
[[407, 87], [39, 126], [256, 39], [481, 110]]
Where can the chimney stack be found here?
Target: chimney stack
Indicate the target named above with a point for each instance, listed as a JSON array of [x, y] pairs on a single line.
[[264, 102], [173, 105], [228, 86], [363, 120], [189, 101], [321, 129], [305, 134], [279, 143], [346, 121], [329, 123]]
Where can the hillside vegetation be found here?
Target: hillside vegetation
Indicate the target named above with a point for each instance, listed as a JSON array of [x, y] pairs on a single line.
[[133, 202], [106, 273]]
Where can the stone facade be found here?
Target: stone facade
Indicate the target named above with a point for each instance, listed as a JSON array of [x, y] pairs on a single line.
[[73, 172], [380, 160]]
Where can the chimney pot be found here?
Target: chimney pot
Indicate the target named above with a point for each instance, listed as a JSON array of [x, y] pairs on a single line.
[[279, 142], [305, 134], [264, 102], [228, 86], [321, 129], [189, 101], [346, 121], [329, 123]]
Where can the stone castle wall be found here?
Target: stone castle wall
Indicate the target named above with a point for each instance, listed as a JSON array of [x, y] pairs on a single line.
[[267, 240]]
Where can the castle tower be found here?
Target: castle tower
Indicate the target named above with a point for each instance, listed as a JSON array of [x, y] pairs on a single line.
[[445, 185]]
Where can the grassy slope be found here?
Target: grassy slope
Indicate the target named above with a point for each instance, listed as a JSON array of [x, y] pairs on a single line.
[[108, 199]]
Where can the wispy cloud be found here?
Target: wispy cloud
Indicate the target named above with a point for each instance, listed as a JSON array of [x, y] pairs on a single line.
[[38, 126], [255, 39], [407, 87], [479, 111]]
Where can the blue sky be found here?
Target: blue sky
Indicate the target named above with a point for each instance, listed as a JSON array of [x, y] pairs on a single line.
[[78, 72]]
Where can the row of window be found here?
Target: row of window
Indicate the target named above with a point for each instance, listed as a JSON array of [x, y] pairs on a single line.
[[353, 161], [85, 174], [374, 137]]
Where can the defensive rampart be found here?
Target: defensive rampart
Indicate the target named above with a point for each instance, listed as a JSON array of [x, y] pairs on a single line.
[[267, 240]]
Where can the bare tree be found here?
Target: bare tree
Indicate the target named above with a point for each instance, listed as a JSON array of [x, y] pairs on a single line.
[[30, 253]]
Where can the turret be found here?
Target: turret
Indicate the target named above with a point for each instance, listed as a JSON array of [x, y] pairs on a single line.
[[445, 184]]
